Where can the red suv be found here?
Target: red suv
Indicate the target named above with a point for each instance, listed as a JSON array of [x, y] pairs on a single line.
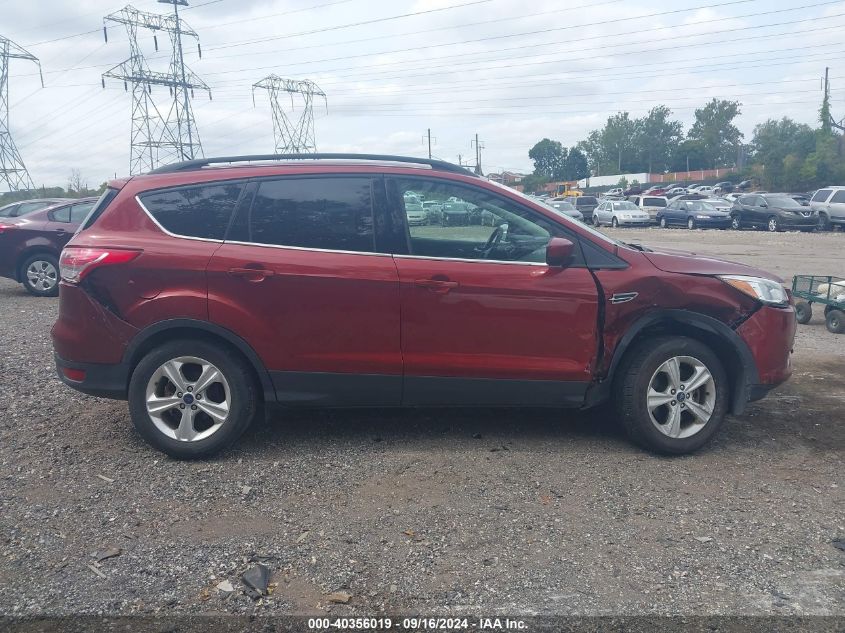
[[32, 235], [203, 290]]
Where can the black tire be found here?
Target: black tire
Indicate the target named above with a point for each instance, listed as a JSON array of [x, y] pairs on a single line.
[[803, 312], [691, 224], [614, 223], [631, 388], [663, 223], [824, 222], [595, 219], [835, 321], [245, 398], [772, 224], [38, 289], [736, 222]]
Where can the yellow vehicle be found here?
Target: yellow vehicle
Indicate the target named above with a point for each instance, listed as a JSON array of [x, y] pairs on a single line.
[[564, 189]]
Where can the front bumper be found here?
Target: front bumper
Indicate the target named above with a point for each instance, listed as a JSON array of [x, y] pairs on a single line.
[[770, 335], [623, 222], [796, 222]]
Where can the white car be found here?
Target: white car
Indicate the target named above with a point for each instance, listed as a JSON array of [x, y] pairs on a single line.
[[616, 192], [721, 204], [706, 190], [732, 197], [829, 203], [650, 204], [674, 192], [620, 213]]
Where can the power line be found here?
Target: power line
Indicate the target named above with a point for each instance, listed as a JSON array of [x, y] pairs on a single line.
[[292, 136]]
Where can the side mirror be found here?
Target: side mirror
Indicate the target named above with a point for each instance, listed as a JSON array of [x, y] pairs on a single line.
[[559, 251]]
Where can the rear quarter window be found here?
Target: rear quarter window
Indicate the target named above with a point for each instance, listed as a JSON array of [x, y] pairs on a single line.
[[202, 211], [839, 196], [105, 199]]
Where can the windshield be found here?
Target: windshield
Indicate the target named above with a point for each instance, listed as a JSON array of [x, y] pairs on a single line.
[[700, 206], [784, 202], [625, 206]]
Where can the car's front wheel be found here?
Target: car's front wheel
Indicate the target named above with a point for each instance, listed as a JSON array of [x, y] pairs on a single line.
[[614, 223], [663, 222], [191, 399], [773, 225], [41, 275], [690, 223], [671, 394]]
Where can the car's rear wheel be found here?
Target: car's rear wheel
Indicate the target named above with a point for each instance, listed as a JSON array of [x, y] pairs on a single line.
[[736, 223], [671, 394], [40, 275], [835, 321], [803, 312], [190, 399]]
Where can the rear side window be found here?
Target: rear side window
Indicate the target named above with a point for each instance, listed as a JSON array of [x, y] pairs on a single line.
[[821, 195], [105, 199], [325, 213], [61, 215], [200, 211], [839, 196]]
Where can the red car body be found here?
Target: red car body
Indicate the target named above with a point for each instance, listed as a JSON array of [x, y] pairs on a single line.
[[333, 328], [39, 234]]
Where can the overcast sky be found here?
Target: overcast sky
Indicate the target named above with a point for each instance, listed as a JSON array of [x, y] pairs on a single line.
[[513, 72]]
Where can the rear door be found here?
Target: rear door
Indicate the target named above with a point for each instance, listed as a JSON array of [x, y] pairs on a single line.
[[836, 206], [484, 319], [300, 279]]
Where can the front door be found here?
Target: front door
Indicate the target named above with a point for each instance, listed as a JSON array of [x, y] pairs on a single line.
[[299, 279], [484, 319]]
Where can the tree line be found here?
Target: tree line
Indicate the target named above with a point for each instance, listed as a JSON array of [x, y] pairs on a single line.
[[782, 153]]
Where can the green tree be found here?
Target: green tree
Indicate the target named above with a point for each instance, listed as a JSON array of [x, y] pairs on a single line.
[[714, 129], [576, 166], [657, 140], [773, 142], [549, 159], [689, 155], [533, 183]]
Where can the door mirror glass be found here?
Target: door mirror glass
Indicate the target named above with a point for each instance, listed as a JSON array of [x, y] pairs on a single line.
[[559, 251]]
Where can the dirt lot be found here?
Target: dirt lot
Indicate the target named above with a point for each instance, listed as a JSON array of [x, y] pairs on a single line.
[[509, 512]]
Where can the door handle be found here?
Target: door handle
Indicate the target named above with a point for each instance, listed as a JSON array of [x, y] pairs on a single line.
[[440, 286], [253, 275], [60, 231]]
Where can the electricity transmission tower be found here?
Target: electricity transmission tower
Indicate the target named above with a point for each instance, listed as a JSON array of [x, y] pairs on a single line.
[[292, 136], [156, 138], [12, 169]]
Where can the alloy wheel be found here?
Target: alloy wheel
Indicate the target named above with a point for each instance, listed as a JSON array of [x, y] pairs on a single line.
[[735, 223], [690, 223], [773, 224], [681, 397], [188, 399], [42, 275]]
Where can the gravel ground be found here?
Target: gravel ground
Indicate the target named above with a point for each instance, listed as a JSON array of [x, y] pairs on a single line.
[[482, 511]]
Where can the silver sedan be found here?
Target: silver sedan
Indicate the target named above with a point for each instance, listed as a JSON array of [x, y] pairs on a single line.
[[621, 213]]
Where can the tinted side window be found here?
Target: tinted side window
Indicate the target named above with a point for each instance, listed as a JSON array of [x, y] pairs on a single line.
[[200, 211], [79, 212], [61, 215], [328, 213], [821, 195], [839, 196]]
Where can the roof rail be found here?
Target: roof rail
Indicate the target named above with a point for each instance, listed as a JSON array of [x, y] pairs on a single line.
[[199, 163]]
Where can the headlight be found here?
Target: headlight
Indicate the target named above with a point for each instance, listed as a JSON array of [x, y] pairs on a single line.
[[764, 290], [625, 216]]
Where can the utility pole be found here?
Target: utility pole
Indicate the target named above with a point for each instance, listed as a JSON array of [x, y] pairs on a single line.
[[291, 136], [460, 163], [158, 139], [428, 136], [478, 147], [12, 170]]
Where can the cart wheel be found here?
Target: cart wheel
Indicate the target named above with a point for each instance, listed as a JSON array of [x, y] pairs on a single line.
[[836, 321], [803, 312]]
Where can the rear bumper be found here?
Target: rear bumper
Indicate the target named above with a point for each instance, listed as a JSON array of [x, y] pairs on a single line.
[[103, 381]]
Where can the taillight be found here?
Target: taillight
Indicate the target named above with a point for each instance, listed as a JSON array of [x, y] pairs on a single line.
[[77, 263]]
